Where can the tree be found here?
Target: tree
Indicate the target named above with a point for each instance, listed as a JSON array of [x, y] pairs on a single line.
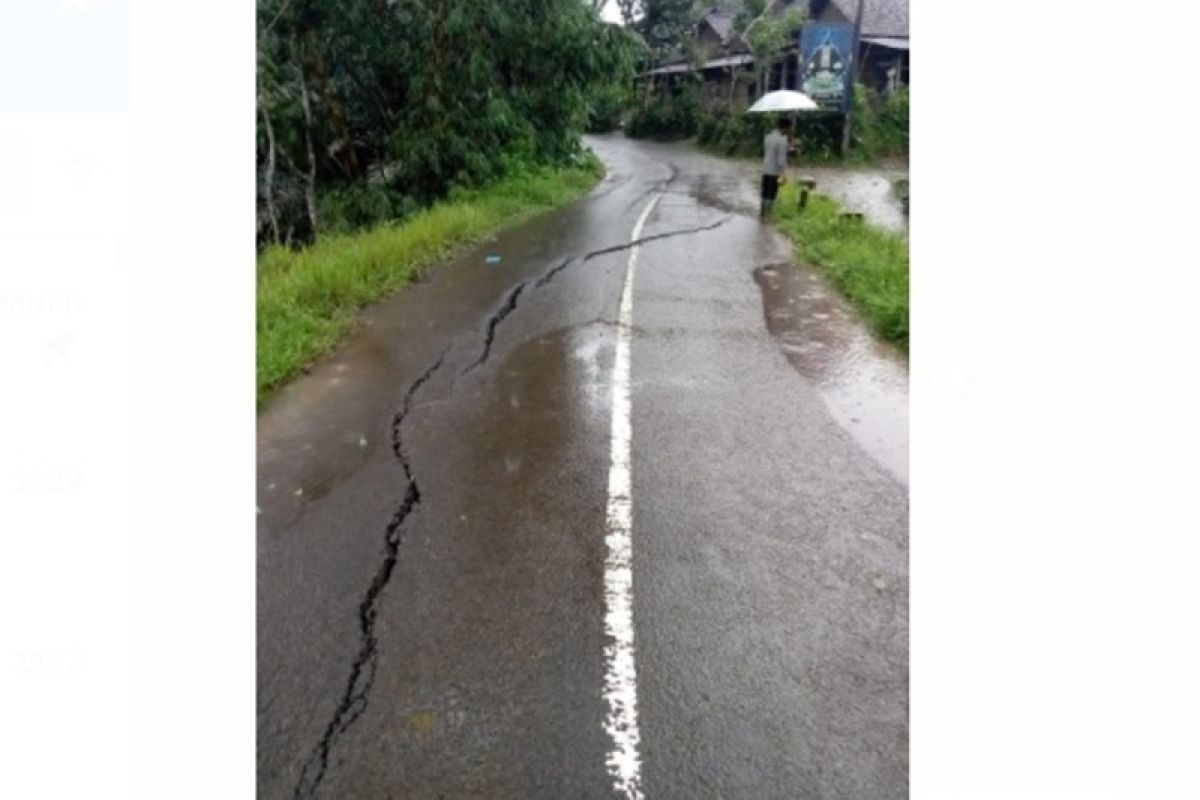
[[367, 108], [629, 9], [767, 34], [665, 25], [621, 51]]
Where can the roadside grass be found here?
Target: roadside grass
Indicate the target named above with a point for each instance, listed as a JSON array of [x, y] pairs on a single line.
[[307, 299], [868, 265]]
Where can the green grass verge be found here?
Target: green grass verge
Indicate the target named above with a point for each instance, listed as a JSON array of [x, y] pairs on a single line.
[[307, 299], [869, 266]]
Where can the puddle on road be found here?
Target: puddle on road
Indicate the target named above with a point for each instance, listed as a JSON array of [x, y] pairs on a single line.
[[863, 381]]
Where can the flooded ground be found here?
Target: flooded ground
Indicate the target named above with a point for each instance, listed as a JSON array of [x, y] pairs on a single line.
[[865, 191]]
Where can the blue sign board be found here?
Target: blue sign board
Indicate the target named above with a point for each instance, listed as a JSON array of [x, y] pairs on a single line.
[[827, 63]]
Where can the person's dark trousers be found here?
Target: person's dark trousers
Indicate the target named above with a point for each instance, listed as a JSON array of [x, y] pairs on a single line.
[[770, 189]]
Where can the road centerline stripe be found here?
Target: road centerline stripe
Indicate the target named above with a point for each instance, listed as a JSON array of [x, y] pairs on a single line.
[[620, 669]]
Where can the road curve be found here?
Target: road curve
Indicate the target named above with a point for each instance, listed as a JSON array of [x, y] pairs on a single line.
[[435, 563]]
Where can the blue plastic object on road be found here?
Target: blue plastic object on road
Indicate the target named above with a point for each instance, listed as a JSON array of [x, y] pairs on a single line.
[[492, 260]]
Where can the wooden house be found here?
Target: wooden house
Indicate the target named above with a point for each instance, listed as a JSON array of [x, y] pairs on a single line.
[[722, 58]]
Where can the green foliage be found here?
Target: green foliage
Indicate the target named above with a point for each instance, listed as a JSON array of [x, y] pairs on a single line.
[[734, 134], [433, 94], [880, 125], [769, 35], [307, 298], [869, 266], [664, 25], [675, 115], [742, 135], [628, 9], [609, 99], [345, 209], [750, 10], [608, 104]]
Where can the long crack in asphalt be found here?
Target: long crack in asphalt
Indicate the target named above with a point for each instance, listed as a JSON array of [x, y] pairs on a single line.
[[668, 234], [362, 671], [510, 303], [549, 276]]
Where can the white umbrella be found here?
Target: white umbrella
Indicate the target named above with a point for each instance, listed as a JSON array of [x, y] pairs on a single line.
[[782, 100]]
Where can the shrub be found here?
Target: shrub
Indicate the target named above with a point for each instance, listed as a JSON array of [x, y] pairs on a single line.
[[674, 115], [880, 126], [356, 206], [742, 134], [606, 108]]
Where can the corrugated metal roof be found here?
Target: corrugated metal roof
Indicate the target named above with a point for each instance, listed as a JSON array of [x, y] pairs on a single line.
[[669, 69], [716, 63], [729, 61]]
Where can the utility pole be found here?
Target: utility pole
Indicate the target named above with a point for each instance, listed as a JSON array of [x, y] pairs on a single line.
[[858, 14]]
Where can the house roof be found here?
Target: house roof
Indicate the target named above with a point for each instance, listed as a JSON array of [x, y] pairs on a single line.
[[670, 69], [885, 41], [716, 63], [729, 61], [880, 17], [721, 18], [885, 22], [721, 22]]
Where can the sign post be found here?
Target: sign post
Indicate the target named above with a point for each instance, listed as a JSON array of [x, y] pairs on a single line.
[[827, 52]]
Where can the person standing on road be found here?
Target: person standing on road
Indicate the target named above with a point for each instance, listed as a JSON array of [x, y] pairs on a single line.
[[775, 152]]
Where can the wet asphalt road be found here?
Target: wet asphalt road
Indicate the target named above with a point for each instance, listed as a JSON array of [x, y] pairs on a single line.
[[431, 537]]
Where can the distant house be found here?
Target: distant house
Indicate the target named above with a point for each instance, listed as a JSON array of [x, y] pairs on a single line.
[[725, 62], [714, 32], [883, 42]]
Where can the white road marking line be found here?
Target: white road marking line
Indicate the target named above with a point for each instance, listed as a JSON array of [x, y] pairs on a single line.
[[620, 671]]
